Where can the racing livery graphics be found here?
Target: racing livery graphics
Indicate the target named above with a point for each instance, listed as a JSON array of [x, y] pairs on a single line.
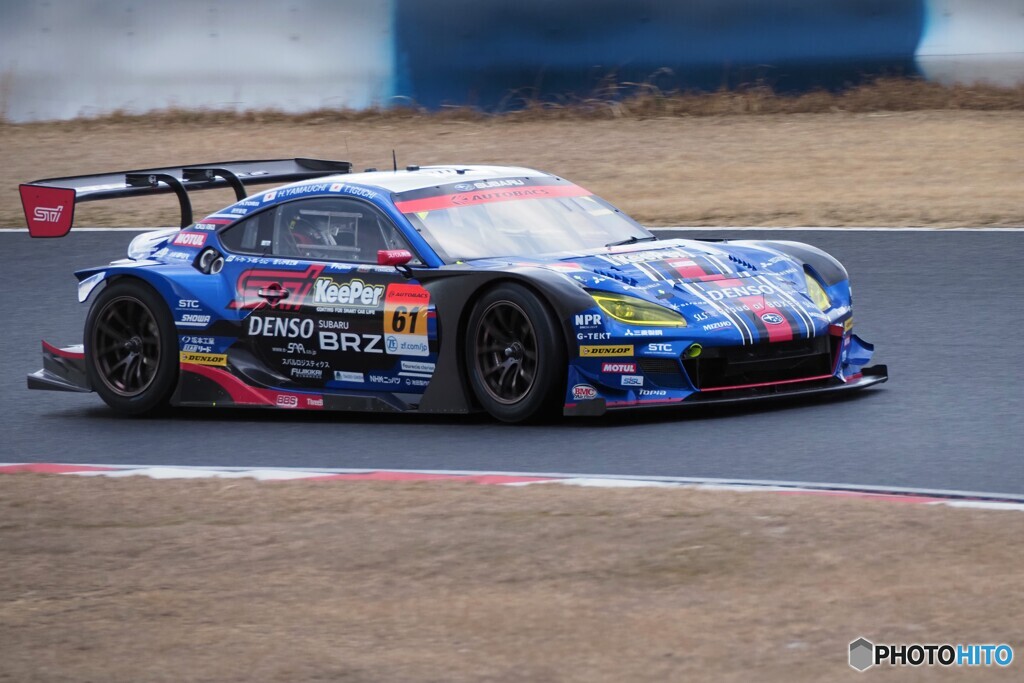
[[446, 289]]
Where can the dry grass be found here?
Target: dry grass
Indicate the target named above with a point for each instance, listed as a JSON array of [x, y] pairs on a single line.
[[942, 168], [119, 580]]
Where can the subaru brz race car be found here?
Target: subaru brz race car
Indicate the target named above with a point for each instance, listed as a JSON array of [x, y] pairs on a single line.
[[445, 289]]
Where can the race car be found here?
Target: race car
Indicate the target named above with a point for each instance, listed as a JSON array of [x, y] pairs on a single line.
[[442, 289]]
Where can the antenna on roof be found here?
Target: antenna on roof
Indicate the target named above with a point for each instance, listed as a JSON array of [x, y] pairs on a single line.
[[394, 160]]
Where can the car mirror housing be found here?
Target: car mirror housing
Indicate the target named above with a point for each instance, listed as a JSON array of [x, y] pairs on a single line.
[[393, 257]]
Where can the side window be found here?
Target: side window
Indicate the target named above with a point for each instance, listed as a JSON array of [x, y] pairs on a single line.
[[251, 235], [333, 229]]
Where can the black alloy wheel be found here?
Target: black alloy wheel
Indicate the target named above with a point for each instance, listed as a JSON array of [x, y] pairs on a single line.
[[515, 355], [131, 348]]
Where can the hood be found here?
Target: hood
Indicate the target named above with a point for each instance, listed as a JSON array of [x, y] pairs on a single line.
[[727, 291]]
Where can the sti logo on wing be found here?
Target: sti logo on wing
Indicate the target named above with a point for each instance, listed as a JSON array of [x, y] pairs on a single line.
[[47, 214]]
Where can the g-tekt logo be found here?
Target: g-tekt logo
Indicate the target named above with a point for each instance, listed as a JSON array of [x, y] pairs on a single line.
[[48, 214]]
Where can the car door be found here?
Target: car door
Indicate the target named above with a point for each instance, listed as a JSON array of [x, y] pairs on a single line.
[[322, 314]]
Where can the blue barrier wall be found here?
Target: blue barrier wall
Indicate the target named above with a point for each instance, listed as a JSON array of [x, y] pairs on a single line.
[[454, 51]]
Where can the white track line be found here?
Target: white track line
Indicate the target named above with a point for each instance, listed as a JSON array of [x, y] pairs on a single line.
[[598, 479]]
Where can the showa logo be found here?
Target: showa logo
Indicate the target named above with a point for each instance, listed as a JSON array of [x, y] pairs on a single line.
[[864, 654]]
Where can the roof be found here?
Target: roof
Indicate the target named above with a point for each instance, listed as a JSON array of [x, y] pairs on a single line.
[[429, 176]]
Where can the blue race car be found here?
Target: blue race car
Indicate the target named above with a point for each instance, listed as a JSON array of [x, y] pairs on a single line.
[[444, 289]]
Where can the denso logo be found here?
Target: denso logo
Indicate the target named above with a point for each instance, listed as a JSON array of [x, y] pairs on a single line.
[[190, 239], [48, 214], [588, 319], [583, 392], [736, 292], [353, 293], [618, 368], [286, 328]]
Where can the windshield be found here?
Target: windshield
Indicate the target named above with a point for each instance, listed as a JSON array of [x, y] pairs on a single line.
[[535, 216]]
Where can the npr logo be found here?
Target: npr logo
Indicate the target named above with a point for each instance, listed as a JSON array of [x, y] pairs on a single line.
[[48, 214], [588, 319]]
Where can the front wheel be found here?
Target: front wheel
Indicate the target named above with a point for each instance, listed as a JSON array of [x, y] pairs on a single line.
[[131, 349], [515, 355]]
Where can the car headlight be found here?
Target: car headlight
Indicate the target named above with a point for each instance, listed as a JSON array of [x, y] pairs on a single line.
[[817, 292], [634, 311]]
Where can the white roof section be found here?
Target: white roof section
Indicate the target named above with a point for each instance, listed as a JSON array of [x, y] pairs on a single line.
[[430, 176]]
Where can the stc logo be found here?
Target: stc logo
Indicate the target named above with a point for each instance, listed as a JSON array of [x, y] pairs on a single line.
[[48, 214]]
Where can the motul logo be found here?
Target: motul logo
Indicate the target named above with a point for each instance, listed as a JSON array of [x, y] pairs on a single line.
[[190, 239], [621, 368], [48, 214]]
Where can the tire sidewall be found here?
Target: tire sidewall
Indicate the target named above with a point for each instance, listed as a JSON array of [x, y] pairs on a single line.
[[546, 394], [157, 395]]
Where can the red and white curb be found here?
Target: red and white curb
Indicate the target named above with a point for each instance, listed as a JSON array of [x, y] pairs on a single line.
[[960, 499]]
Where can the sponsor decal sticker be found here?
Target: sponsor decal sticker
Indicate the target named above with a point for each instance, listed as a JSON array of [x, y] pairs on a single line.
[[583, 392], [417, 366], [342, 376], [618, 368], [287, 401], [632, 380], [591, 351], [220, 359], [405, 320], [772, 318], [588, 320]]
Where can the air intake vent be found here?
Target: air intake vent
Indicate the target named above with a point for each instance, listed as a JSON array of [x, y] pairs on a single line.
[[614, 275], [748, 266]]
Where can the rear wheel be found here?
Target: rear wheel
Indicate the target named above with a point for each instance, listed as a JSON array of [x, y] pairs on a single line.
[[131, 348], [515, 356]]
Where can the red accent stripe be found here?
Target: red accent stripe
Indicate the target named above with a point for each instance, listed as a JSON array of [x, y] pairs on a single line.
[[758, 306], [50, 468], [488, 196], [50, 348], [687, 268], [416, 476], [245, 395], [766, 384], [218, 221]]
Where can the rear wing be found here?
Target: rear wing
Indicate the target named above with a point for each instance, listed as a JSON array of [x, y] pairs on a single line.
[[50, 204]]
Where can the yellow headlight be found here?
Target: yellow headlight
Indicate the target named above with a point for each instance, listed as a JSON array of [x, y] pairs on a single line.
[[633, 311], [817, 292]]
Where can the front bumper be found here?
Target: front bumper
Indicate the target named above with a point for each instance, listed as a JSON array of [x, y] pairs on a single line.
[[63, 370], [867, 377]]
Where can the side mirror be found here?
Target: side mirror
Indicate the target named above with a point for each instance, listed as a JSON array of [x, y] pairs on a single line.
[[393, 257]]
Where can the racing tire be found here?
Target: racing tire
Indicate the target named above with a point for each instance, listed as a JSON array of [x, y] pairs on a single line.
[[515, 355], [131, 348]]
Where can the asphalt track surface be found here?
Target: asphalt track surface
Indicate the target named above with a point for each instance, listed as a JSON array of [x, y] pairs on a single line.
[[943, 309]]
